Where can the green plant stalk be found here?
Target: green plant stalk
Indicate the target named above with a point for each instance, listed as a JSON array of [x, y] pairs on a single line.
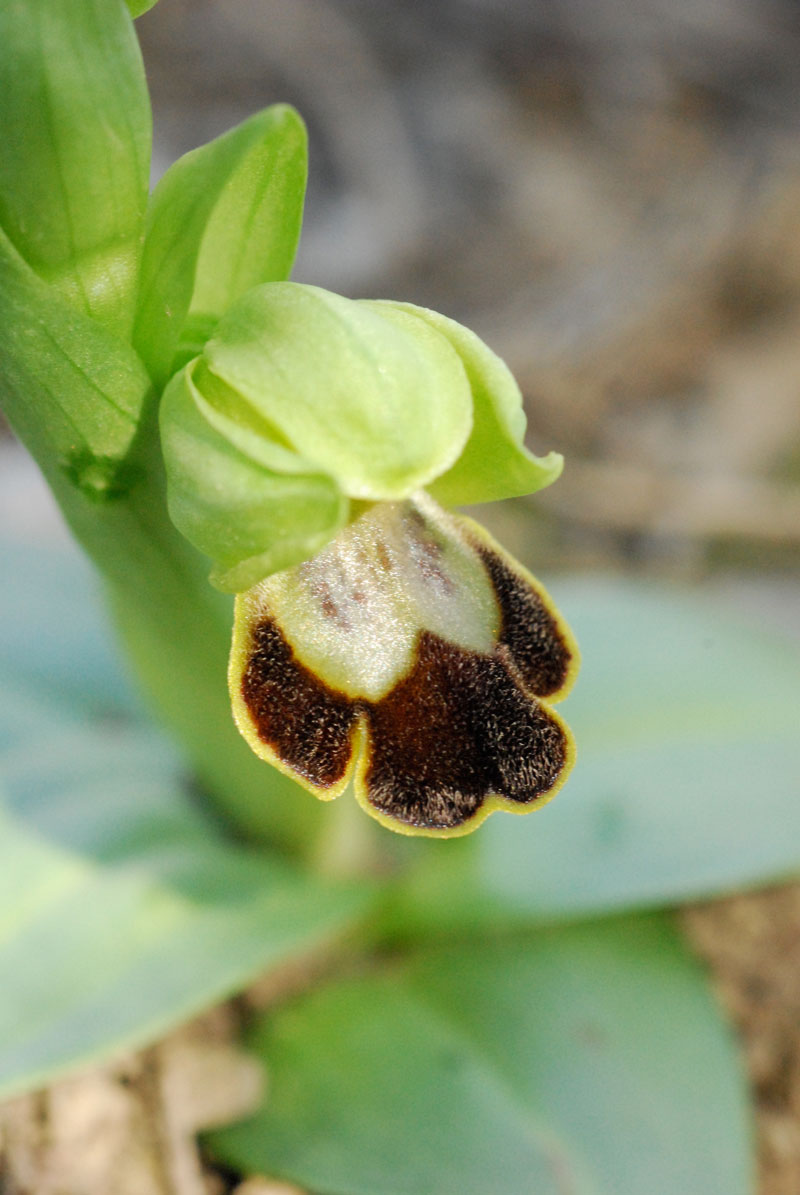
[[176, 632]]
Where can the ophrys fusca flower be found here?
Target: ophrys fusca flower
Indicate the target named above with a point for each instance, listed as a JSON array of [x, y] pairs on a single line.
[[377, 637]]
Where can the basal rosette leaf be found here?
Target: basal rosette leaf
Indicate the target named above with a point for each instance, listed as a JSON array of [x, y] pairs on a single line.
[[590, 1060]]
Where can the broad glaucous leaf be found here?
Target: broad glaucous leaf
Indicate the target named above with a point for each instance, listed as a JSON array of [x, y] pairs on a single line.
[[55, 643], [75, 161], [224, 218], [591, 1059], [125, 908], [687, 773]]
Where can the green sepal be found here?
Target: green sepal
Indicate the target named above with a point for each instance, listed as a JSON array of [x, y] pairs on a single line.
[[252, 505], [495, 462], [224, 218], [74, 393], [381, 405], [75, 166]]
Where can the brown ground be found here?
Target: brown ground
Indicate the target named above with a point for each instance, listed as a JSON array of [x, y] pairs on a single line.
[[752, 944]]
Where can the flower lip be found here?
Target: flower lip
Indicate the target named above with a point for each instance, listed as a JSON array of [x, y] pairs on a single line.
[[457, 726]]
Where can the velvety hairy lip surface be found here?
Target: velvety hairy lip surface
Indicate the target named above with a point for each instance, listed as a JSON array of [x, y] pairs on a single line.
[[458, 730], [529, 628], [304, 722], [438, 735]]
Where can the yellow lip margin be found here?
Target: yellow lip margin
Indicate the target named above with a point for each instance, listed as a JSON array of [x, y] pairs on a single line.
[[359, 759], [491, 804], [474, 531]]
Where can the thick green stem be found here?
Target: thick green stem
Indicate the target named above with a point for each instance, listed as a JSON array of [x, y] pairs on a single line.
[[176, 631]]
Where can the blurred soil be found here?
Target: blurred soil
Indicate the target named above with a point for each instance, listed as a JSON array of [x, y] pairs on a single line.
[[609, 192], [752, 944]]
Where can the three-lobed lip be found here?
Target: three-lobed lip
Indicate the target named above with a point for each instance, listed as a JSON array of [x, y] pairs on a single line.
[[414, 657]]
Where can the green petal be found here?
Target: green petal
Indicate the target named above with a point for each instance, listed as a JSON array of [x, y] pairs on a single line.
[[382, 405], [250, 518], [223, 219], [75, 165], [495, 462]]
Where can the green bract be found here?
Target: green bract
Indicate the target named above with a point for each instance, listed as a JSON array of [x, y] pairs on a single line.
[[224, 218], [304, 402], [75, 162]]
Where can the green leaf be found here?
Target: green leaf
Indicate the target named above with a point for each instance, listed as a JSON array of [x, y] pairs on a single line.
[[494, 462], [75, 165], [124, 910], [137, 7], [688, 768], [223, 219], [590, 1060], [74, 393], [55, 643], [687, 777]]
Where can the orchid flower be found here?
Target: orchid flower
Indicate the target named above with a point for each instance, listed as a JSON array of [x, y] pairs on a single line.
[[311, 450]]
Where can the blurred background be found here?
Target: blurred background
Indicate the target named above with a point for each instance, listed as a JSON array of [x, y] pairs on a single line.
[[608, 191]]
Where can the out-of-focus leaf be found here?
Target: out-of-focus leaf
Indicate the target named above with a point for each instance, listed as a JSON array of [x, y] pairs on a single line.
[[223, 219], [124, 911], [54, 644], [589, 1060], [687, 782], [73, 392], [75, 165]]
